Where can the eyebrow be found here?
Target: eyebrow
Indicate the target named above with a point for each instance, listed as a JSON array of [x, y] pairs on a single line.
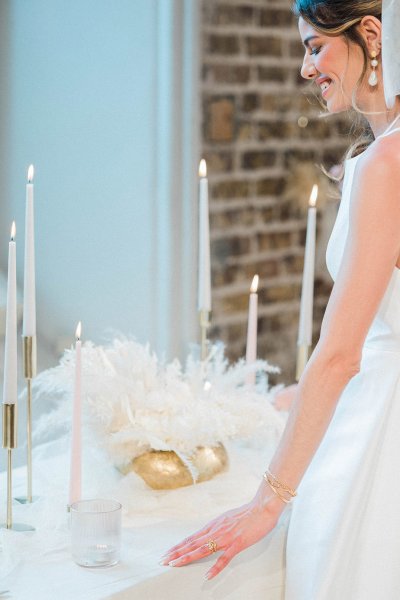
[[306, 42]]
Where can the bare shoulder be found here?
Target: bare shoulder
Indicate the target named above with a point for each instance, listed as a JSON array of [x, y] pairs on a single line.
[[378, 173], [382, 157]]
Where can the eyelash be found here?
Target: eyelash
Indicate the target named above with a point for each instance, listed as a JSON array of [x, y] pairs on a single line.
[[315, 51]]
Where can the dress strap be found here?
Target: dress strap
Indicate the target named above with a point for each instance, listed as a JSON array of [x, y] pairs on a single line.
[[389, 128], [389, 132]]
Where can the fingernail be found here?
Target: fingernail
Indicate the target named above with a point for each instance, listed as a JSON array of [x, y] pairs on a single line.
[[173, 563], [207, 576]]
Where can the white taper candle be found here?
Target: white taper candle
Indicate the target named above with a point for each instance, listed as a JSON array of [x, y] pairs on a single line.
[[204, 286], [29, 320], [307, 292], [10, 384]]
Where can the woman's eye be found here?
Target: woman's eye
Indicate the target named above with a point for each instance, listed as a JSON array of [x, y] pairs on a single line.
[[315, 50]]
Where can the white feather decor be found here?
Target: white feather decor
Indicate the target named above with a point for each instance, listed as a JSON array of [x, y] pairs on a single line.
[[134, 402]]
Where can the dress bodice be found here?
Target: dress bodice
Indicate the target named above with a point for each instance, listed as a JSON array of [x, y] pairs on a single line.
[[384, 332]]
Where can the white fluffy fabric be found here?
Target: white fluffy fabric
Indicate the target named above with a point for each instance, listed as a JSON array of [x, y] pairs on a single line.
[[133, 402]]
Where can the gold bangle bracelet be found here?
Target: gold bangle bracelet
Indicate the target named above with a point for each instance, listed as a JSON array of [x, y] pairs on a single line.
[[276, 492], [278, 484]]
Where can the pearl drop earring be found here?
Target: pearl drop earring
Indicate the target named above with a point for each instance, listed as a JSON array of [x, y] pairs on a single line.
[[373, 78]]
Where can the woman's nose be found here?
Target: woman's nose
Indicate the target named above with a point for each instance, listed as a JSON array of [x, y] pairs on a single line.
[[308, 70]]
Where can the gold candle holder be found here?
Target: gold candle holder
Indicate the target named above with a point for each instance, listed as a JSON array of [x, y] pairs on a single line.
[[9, 426], [29, 352], [303, 351], [30, 370], [204, 316], [10, 442]]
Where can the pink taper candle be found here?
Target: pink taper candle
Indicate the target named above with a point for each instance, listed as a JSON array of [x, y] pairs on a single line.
[[251, 348], [75, 489]]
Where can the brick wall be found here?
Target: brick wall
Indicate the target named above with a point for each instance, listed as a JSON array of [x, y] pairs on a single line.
[[262, 137]]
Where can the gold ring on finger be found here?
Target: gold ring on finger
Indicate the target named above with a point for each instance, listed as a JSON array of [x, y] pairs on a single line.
[[212, 546]]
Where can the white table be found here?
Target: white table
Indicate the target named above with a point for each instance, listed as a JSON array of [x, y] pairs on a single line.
[[152, 522]]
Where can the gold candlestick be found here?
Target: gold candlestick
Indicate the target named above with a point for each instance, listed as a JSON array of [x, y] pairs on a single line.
[[303, 351], [204, 325], [10, 442], [30, 370], [9, 488]]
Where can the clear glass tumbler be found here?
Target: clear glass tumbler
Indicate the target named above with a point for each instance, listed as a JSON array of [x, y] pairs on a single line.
[[96, 532]]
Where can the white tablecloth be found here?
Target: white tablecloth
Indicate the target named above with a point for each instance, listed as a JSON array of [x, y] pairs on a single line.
[[38, 566]]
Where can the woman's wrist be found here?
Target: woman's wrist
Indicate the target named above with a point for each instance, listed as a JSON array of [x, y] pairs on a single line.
[[268, 501]]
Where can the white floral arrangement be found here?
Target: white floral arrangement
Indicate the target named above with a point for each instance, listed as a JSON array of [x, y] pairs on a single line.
[[133, 402]]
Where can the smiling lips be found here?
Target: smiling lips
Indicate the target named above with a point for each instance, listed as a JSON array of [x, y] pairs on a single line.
[[324, 83]]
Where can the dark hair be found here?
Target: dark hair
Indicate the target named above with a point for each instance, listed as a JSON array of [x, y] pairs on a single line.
[[337, 17], [341, 17]]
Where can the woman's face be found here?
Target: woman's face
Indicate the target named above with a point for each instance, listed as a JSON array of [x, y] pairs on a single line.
[[334, 65]]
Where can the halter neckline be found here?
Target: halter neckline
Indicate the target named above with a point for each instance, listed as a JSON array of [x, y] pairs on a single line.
[[387, 130]]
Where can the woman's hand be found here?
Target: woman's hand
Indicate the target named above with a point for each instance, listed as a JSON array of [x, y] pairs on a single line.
[[232, 532]]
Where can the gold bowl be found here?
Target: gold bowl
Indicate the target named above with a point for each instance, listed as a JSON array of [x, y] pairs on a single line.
[[164, 470]]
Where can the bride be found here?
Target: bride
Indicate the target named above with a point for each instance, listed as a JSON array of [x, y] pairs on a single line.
[[339, 457]]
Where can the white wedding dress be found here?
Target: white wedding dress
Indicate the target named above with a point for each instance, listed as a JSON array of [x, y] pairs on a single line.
[[344, 531]]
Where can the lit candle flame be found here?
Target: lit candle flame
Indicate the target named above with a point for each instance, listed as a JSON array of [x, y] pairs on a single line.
[[314, 196], [78, 331], [31, 172], [13, 231], [254, 284], [202, 169]]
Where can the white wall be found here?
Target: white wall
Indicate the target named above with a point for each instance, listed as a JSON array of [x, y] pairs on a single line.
[[99, 97]]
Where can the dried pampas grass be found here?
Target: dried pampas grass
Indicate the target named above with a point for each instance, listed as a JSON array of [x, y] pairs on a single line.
[[133, 402]]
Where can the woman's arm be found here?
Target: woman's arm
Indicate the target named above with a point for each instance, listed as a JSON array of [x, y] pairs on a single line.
[[370, 255]]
